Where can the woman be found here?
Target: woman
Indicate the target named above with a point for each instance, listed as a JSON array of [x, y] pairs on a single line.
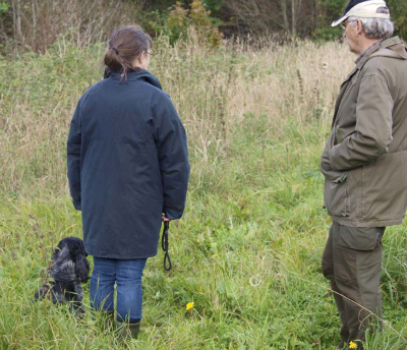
[[128, 170]]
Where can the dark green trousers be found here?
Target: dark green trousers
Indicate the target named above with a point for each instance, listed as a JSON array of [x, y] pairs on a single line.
[[352, 262]]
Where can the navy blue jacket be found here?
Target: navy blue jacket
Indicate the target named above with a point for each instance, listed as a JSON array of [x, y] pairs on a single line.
[[127, 164]]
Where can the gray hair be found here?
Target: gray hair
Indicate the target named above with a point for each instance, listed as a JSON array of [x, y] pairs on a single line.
[[375, 28]]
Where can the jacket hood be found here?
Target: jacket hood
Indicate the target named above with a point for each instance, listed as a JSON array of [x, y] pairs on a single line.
[[135, 75], [393, 47]]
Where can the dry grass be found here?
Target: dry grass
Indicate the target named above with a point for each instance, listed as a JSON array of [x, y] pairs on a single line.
[[213, 91]]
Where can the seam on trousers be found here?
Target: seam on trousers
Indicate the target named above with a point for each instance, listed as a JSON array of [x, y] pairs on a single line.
[[369, 313]]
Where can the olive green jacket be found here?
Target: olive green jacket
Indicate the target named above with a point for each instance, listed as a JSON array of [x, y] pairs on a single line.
[[365, 158]]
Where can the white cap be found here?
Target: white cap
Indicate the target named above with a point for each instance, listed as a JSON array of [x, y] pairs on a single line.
[[365, 9]]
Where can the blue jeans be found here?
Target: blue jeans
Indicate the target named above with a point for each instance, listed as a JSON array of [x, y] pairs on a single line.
[[126, 276]]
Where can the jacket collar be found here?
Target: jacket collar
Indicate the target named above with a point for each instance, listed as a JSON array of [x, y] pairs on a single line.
[[137, 74], [392, 47], [372, 48]]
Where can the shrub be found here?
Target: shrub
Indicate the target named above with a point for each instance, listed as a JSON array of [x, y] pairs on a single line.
[[195, 23]]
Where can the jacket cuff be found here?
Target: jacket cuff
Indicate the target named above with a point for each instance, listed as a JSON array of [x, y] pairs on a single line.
[[172, 214], [77, 204]]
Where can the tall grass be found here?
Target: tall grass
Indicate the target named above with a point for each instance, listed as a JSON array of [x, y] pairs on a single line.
[[248, 249]]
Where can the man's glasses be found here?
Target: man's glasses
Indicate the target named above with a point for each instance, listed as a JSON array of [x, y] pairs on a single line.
[[344, 23]]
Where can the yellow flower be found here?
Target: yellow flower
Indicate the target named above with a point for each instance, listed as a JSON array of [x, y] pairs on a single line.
[[353, 345], [190, 305]]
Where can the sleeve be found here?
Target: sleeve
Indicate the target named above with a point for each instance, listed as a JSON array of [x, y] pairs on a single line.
[[74, 159], [373, 132], [172, 150]]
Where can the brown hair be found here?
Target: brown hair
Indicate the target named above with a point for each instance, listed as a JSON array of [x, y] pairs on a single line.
[[125, 45]]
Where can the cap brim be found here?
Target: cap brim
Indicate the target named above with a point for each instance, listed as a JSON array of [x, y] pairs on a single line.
[[339, 21]]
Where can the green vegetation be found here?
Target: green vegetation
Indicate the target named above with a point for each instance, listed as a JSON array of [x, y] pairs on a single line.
[[248, 249], [35, 25]]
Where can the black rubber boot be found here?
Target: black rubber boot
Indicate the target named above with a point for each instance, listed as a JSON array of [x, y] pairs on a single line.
[[127, 331], [134, 329]]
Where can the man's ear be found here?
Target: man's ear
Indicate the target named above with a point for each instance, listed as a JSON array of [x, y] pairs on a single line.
[[359, 27]]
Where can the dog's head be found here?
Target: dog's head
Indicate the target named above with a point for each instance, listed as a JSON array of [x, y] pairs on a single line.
[[69, 261]]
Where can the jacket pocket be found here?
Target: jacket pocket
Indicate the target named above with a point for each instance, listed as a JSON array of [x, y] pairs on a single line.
[[384, 189], [336, 194], [349, 244], [359, 238]]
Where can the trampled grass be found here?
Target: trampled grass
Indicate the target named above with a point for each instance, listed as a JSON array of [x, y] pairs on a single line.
[[248, 250]]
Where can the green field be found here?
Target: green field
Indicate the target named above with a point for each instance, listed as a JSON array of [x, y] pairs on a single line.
[[247, 251]]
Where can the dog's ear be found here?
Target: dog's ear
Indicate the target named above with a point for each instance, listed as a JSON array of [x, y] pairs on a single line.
[[55, 254], [61, 253], [82, 268], [63, 268]]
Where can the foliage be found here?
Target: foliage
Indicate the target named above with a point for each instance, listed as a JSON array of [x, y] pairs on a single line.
[[333, 8], [329, 10], [36, 24], [327, 33], [195, 22], [398, 11], [4, 7], [247, 251]]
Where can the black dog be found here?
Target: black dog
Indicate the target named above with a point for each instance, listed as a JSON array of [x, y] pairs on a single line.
[[70, 268]]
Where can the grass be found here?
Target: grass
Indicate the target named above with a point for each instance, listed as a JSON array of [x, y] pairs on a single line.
[[247, 251]]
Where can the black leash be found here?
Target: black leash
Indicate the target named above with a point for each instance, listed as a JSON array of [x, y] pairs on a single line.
[[164, 245]]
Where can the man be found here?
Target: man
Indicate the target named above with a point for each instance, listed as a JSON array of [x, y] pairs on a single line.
[[365, 165]]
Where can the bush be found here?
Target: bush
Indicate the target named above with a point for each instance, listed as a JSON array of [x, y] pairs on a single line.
[[328, 33], [194, 22]]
